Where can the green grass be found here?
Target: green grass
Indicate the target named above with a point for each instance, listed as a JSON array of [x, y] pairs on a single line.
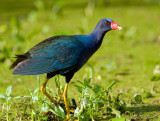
[[128, 56]]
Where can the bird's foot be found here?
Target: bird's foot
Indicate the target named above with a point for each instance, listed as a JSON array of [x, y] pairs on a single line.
[[73, 106], [67, 119], [71, 111]]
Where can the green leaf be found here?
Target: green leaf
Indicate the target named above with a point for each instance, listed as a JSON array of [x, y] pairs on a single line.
[[110, 85], [79, 88], [118, 119], [155, 78], [80, 82], [97, 88], [7, 98], [31, 94], [26, 96], [2, 96], [118, 113], [8, 90], [87, 81], [149, 95], [62, 113], [100, 103], [35, 98], [36, 90], [76, 111], [138, 98], [57, 82], [18, 97], [59, 112]]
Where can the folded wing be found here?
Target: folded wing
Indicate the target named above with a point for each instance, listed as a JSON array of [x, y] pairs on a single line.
[[54, 54]]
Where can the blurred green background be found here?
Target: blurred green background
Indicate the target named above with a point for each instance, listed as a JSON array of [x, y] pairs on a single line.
[[129, 56]]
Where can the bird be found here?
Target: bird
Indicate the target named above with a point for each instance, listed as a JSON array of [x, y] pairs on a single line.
[[63, 54]]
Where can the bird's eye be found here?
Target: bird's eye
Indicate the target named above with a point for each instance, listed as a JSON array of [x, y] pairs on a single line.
[[107, 23]]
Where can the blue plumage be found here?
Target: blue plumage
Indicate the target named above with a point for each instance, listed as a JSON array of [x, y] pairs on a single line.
[[109, 19], [54, 54], [61, 54]]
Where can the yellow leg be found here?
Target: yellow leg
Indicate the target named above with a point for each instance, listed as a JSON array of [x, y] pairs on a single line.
[[43, 90], [66, 102], [59, 97]]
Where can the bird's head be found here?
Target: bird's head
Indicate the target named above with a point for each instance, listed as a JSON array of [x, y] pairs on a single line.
[[107, 24]]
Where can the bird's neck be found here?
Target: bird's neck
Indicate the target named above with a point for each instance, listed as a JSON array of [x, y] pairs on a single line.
[[98, 35]]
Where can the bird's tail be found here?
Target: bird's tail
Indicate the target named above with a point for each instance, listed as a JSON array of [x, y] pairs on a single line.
[[19, 59]]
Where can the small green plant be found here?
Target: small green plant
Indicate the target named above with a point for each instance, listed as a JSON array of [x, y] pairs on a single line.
[[6, 99], [155, 77], [95, 98], [34, 98], [138, 98], [59, 112]]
